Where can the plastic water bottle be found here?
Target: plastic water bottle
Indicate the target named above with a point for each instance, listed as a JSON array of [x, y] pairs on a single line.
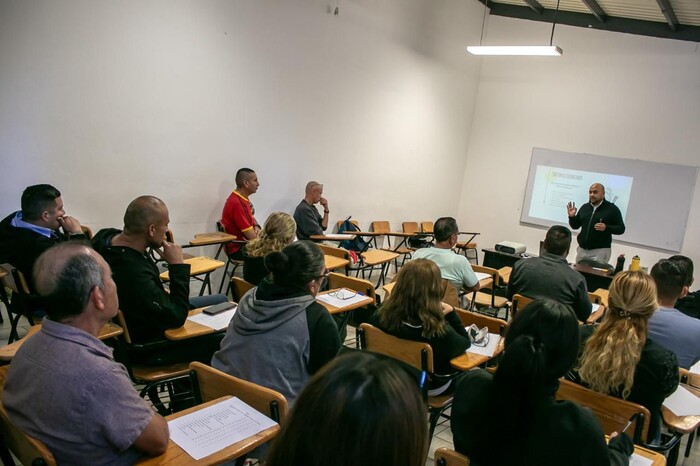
[[634, 265]]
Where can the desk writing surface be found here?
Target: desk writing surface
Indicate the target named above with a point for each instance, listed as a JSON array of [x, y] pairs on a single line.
[[216, 237], [333, 262], [337, 310], [683, 424], [505, 272], [176, 456], [332, 237], [378, 256], [198, 265], [189, 329], [604, 294], [596, 314], [468, 361]]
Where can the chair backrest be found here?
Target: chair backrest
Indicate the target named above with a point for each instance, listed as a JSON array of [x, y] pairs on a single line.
[[413, 353], [28, 450], [213, 384], [220, 227], [380, 226], [450, 295], [494, 325], [336, 280], [87, 231], [519, 302], [122, 323], [447, 457], [410, 227], [333, 251], [689, 378], [339, 223], [14, 280], [594, 298], [612, 413], [426, 227], [240, 287]]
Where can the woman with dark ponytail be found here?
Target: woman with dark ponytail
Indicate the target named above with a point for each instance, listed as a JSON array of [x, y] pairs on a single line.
[[280, 335], [512, 417]]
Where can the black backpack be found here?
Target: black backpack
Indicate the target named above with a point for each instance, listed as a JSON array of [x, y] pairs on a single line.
[[357, 244]]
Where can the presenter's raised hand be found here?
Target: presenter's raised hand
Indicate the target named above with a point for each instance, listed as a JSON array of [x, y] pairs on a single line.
[[571, 209]]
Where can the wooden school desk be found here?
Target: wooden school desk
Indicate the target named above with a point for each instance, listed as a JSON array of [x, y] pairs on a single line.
[[199, 266], [176, 456]]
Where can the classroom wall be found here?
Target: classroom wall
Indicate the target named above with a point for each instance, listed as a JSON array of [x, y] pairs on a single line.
[[610, 94], [109, 100]]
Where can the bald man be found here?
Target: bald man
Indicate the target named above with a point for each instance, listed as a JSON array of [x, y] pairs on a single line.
[[309, 220], [598, 221], [148, 309], [63, 387]]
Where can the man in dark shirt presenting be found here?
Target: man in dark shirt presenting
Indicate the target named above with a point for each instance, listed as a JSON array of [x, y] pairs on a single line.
[[309, 220], [549, 275], [598, 221], [148, 309]]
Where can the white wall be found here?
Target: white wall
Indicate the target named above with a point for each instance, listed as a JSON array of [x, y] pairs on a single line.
[[109, 100], [609, 94]]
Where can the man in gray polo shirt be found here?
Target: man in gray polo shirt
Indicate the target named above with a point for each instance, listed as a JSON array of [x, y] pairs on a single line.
[[309, 220], [63, 386], [549, 276]]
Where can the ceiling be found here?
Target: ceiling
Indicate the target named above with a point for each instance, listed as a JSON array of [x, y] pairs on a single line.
[[672, 19]]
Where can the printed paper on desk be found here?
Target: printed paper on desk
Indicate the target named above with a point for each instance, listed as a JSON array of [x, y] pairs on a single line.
[[216, 427], [683, 402], [487, 350], [482, 276], [639, 460], [218, 321], [335, 301]]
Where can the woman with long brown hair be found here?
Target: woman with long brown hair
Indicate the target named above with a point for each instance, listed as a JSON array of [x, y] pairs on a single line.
[[278, 231], [413, 311], [619, 359]]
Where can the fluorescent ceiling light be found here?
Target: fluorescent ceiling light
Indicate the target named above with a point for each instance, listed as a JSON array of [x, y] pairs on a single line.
[[543, 50]]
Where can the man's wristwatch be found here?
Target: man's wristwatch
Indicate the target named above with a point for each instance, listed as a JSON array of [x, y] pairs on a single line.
[[326, 211]]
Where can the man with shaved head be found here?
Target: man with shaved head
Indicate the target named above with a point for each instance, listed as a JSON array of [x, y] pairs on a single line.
[[148, 309], [309, 220], [63, 387], [238, 216], [598, 221]]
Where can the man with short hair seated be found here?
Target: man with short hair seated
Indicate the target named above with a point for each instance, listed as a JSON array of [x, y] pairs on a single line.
[[25, 234], [309, 220], [690, 303], [148, 309], [668, 326], [63, 387], [454, 268], [549, 275]]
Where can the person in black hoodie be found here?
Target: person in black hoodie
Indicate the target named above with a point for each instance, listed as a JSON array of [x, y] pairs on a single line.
[[42, 222], [513, 418], [598, 221], [148, 309]]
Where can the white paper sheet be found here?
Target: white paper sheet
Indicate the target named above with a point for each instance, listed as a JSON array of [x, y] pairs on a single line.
[[487, 350], [218, 321], [216, 427], [335, 301], [695, 369], [594, 307], [683, 402], [639, 460], [482, 276]]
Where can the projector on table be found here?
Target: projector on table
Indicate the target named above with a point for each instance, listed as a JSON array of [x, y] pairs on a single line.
[[510, 247]]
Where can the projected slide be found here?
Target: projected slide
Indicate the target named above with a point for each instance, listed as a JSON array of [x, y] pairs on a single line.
[[554, 187]]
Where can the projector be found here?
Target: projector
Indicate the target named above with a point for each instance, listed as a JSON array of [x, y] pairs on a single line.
[[510, 247]]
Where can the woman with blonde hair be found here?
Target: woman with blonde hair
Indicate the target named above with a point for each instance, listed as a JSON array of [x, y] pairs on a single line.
[[279, 231], [413, 311], [619, 359]]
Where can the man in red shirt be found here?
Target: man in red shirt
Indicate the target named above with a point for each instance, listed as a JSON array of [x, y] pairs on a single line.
[[238, 214]]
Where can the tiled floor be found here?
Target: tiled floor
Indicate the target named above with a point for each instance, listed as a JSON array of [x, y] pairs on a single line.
[[443, 434]]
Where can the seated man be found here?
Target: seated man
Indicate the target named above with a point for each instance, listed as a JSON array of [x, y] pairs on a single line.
[[549, 275], [309, 220], [690, 303], [238, 214], [25, 234], [148, 309], [669, 327], [63, 386], [454, 268]]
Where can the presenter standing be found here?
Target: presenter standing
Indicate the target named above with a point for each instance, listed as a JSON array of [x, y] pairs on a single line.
[[598, 220]]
